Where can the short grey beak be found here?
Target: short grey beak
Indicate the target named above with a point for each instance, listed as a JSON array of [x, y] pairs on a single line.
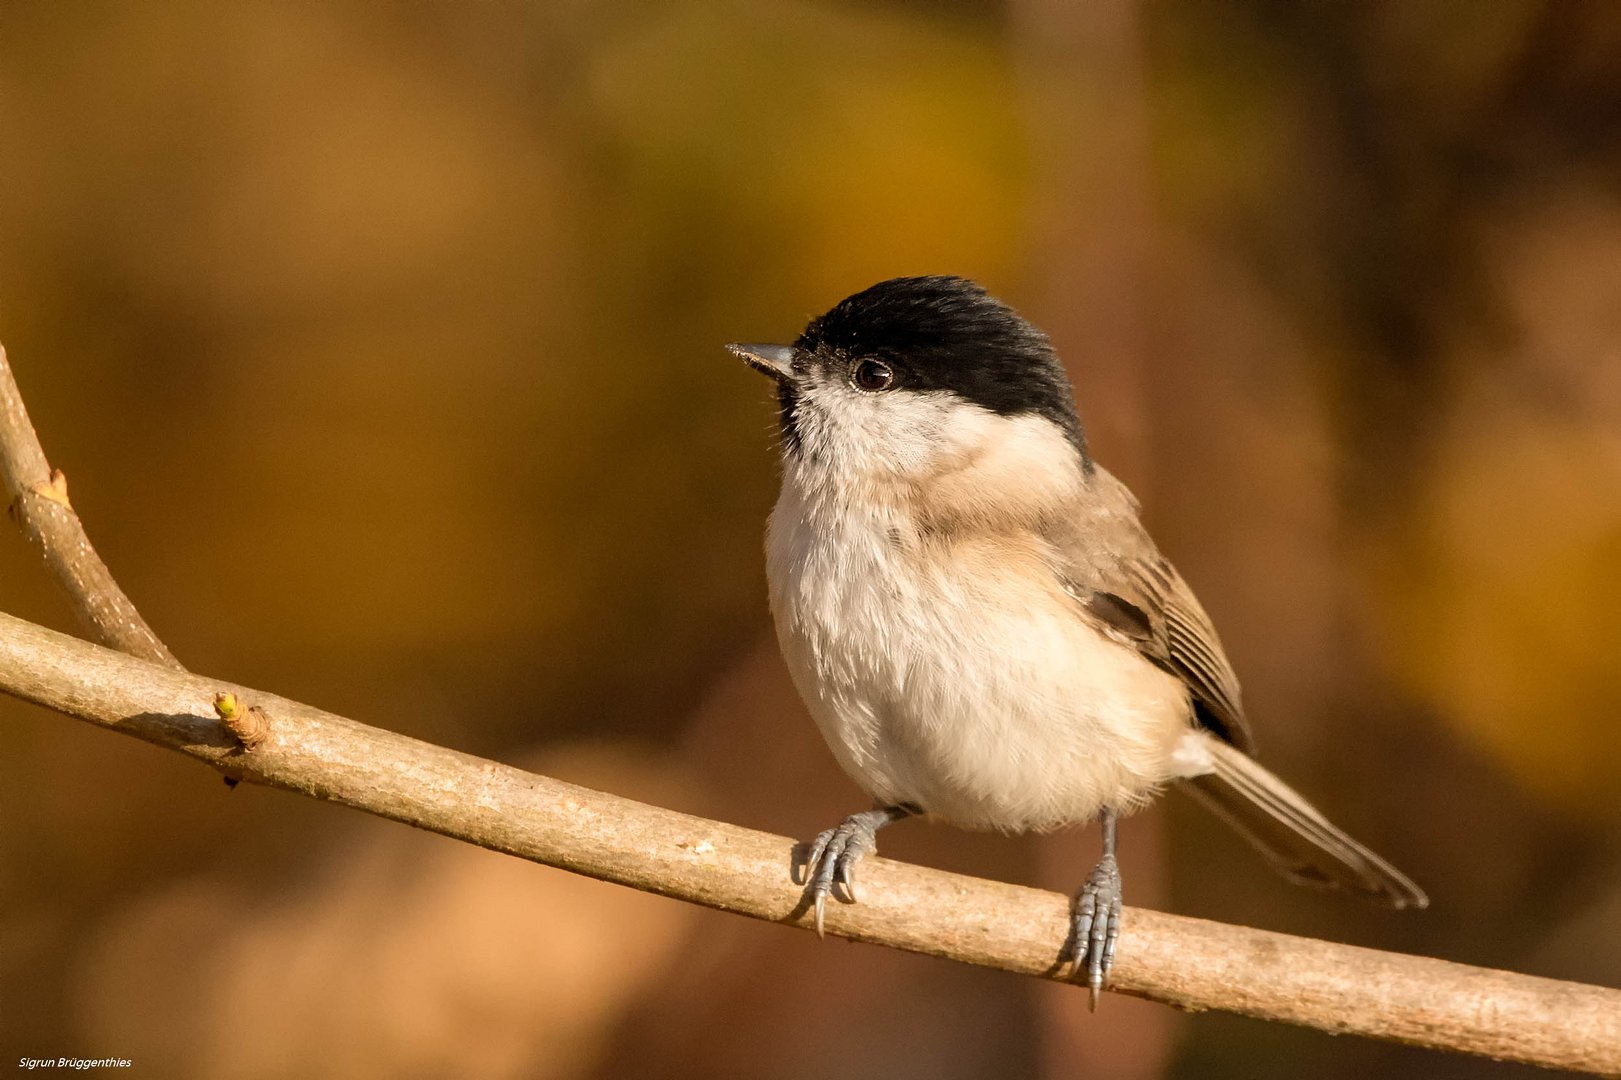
[[776, 361]]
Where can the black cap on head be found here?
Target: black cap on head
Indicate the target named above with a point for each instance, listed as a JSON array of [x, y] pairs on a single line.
[[947, 333]]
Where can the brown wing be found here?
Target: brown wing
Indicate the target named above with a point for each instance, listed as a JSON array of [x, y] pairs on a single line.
[[1194, 652], [1129, 591], [1110, 565]]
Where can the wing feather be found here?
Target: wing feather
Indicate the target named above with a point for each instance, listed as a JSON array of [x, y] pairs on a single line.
[[1129, 590]]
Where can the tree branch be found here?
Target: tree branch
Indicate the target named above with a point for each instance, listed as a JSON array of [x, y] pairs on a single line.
[[1189, 963], [39, 502]]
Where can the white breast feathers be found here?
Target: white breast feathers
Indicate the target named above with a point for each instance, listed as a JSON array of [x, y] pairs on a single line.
[[948, 668]]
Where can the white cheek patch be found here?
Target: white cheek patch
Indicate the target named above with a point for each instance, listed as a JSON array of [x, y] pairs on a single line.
[[945, 459], [898, 435]]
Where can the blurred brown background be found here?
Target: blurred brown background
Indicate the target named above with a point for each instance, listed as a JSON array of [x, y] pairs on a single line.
[[381, 344]]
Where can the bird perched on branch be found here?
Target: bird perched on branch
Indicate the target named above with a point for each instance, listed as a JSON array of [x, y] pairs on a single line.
[[976, 618]]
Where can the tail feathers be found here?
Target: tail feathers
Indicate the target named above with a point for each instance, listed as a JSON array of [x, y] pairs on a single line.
[[1305, 846]]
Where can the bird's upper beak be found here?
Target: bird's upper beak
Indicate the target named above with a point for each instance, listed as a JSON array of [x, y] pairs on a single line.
[[776, 361]]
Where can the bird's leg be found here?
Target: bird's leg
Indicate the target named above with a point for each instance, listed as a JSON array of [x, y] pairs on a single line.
[[830, 863], [1097, 917]]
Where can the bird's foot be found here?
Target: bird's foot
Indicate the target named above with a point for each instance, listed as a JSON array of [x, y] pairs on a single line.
[[830, 863], [1096, 927]]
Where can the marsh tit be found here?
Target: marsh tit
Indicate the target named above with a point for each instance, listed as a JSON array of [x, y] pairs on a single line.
[[976, 618]]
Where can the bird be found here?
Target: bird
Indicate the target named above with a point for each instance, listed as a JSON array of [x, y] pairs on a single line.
[[978, 622]]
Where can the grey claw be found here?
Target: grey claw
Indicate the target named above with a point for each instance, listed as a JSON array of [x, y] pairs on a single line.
[[813, 857], [827, 854], [833, 855], [847, 877], [1097, 927]]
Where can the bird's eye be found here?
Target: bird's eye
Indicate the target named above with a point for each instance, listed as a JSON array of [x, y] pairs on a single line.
[[873, 376]]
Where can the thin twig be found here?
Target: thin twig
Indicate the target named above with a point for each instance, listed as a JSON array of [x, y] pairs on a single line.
[[39, 502], [1189, 963]]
